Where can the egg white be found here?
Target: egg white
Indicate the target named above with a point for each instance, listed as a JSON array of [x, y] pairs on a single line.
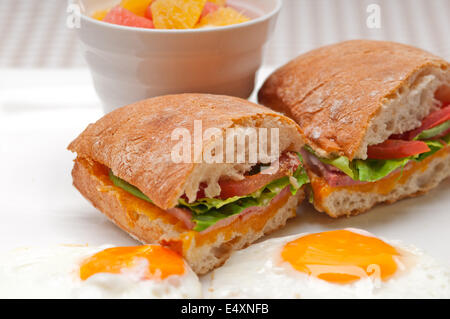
[[259, 272], [53, 272]]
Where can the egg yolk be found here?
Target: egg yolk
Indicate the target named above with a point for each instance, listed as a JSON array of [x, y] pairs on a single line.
[[162, 262], [341, 256]]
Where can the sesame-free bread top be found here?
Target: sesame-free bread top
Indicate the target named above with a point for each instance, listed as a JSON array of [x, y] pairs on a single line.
[[135, 141], [350, 95]]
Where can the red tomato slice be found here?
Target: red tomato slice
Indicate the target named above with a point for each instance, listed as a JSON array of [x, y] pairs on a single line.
[[443, 94], [393, 149], [434, 119], [288, 164]]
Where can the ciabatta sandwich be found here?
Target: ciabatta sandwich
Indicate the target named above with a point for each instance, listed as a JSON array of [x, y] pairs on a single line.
[[154, 169], [375, 118]]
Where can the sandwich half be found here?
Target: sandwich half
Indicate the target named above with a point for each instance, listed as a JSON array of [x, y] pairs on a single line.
[[154, 168], [375, 118]]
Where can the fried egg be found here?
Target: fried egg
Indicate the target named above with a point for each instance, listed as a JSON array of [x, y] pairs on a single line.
[[149, 271], [347, 263]]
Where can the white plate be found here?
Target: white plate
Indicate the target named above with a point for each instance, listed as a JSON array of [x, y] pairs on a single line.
[[39, 206]]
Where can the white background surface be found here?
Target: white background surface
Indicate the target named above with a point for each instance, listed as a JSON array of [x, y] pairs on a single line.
[[41, 112]]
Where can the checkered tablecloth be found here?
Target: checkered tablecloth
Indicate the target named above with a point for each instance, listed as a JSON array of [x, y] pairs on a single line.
[[33, 33]]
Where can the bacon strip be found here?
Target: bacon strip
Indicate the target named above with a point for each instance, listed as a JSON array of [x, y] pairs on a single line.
[[183, 214], [334, 176]]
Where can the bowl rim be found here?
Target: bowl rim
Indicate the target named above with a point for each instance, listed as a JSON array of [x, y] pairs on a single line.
[[267, 16]]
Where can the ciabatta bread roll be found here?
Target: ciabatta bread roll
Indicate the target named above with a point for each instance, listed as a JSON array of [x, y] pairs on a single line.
[[204, 210], [370, 113]]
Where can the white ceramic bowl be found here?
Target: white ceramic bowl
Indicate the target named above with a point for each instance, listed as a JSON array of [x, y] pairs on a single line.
[[131, 64]]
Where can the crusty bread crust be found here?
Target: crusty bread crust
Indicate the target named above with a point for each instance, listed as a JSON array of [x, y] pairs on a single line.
[[414, 180], [135, 141], [335, 92], [148, 223]]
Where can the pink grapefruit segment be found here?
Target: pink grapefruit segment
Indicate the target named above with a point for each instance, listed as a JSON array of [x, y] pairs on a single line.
[[121, 16]]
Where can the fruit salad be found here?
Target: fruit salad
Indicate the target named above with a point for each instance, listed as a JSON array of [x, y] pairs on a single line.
[[172, 14]]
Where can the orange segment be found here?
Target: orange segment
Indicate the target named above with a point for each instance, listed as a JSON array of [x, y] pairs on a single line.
[[136, 6], [100, 15], [162, 262], [222, 17], [341, 256], [219, 2], [176, 14]]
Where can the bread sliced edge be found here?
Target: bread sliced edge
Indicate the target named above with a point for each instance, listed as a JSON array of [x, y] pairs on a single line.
[[149, 224], [416, 179], [404, 109]]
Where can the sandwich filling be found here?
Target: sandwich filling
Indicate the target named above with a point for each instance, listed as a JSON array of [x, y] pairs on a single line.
[[257, 189], [386, 158]]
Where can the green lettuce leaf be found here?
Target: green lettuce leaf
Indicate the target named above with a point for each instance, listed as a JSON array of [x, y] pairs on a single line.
[[446, 139], [212, 216], [127, 187], [208, 211], [344, 164], [371, 170], [432, 132], [434, 147]]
